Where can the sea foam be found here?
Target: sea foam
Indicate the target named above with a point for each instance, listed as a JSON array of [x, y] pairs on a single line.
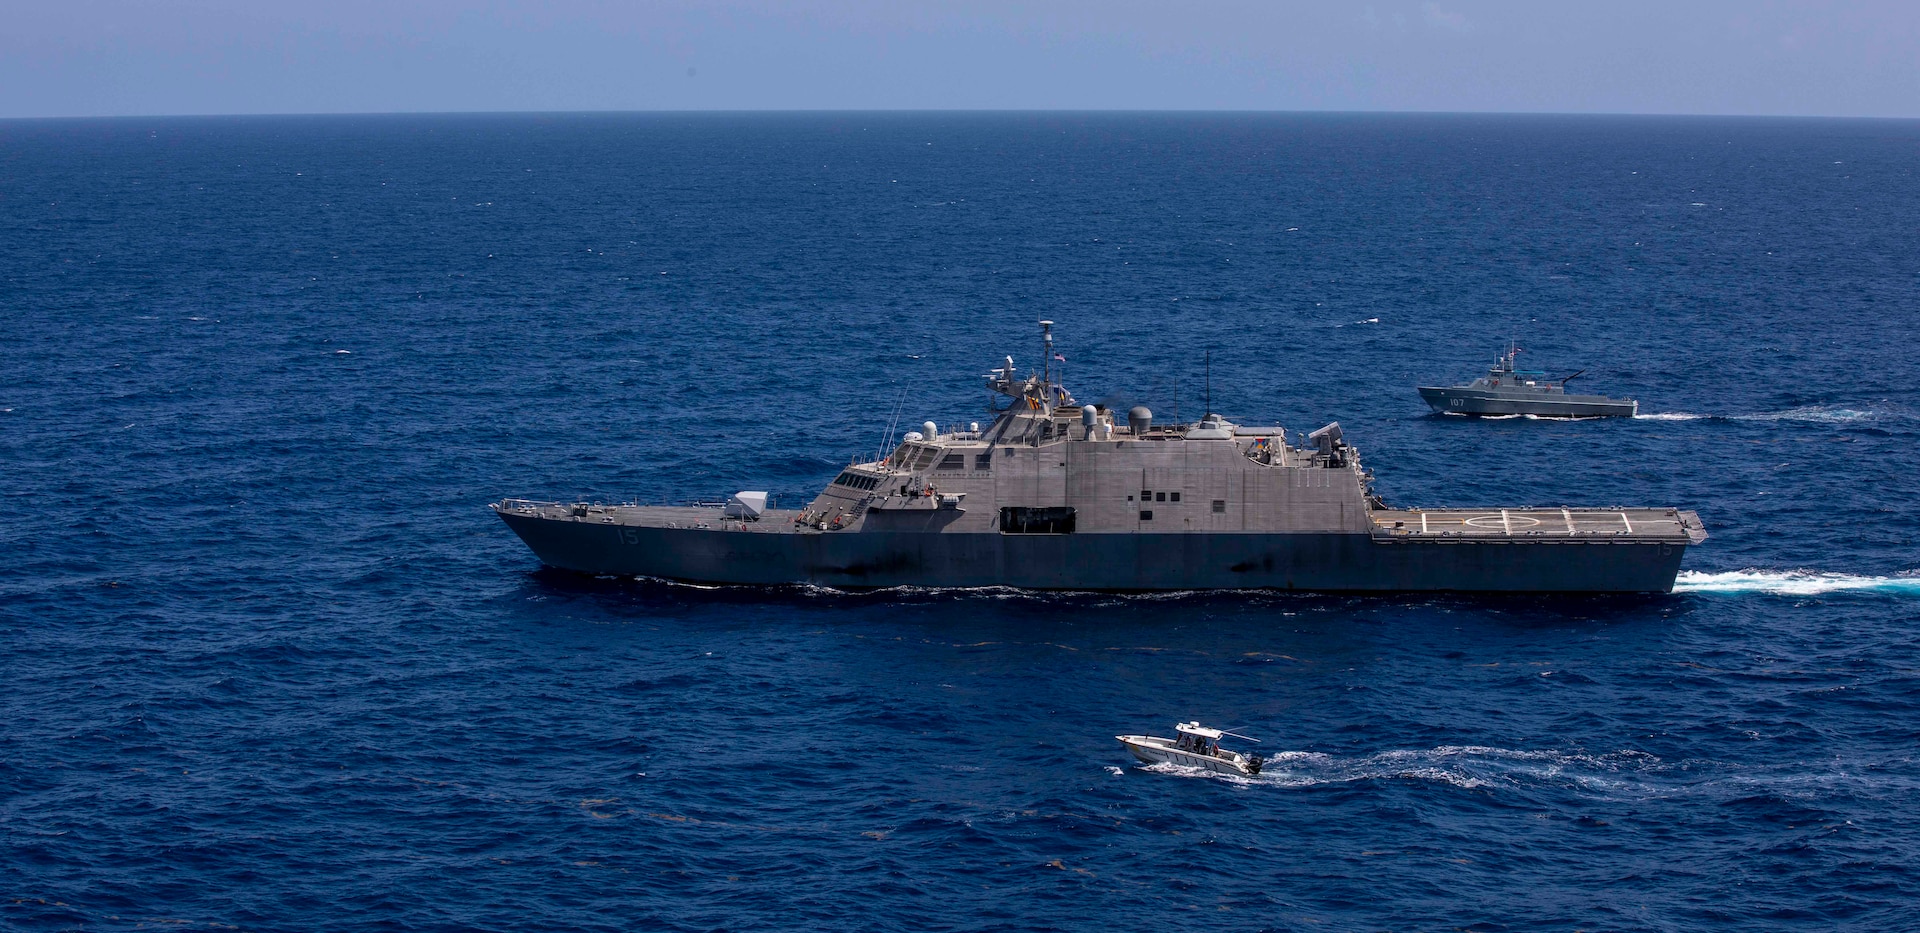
[[1793, 583]]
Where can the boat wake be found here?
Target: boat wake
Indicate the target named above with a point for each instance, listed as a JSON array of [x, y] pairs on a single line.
[[1463, 766], [1794, 583], [1008, 593], [1815, 414], [1822, 414]]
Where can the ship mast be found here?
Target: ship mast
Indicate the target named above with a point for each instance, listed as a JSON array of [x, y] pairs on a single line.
[[1046, 364]]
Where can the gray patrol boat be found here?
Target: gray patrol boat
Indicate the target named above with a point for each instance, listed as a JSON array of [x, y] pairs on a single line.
[[1508, 391], [1057, 495]]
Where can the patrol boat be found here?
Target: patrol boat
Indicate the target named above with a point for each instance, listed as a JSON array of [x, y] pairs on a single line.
[[1056, 495], [1196, 747], [1508, 391]]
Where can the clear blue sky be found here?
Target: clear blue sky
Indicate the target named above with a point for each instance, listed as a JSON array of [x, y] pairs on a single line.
[[114, 57]]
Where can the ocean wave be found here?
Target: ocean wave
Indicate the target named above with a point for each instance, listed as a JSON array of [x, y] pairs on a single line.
[[1670, 416], [1793, 582]]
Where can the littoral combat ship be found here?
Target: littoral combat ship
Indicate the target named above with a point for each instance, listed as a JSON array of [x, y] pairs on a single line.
[[1056, 495]]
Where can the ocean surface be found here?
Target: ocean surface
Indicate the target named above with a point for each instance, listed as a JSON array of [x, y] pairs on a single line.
[[271, 664]]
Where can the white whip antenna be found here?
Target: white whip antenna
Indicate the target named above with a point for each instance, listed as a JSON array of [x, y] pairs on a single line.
[[886, 440]]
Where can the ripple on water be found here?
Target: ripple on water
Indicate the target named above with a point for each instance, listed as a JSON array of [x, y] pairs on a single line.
[[270, 659]]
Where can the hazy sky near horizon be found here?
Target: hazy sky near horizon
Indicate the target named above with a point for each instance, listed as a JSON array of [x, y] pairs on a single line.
[[127, 57]]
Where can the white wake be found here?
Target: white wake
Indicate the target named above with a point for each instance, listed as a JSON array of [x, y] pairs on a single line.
[[1818, 414], [1463, 766], [1793, 583]]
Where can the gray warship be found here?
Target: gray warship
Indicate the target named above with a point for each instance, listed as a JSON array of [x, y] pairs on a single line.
[[1508, 391], [1056, 495]]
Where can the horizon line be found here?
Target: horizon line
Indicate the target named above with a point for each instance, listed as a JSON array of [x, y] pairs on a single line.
[[900, 111]]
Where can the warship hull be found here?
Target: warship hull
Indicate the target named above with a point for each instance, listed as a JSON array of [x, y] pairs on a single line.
[[1457, 400], [637, 541]]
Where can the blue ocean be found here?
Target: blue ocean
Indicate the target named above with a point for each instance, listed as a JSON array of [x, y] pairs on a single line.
[[271, 664]]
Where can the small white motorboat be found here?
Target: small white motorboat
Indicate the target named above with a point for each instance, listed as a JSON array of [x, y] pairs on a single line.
[[1196, 747]]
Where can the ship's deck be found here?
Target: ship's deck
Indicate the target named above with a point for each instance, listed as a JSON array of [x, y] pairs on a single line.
[[1585, 525], [1536, 524], [703, 516]]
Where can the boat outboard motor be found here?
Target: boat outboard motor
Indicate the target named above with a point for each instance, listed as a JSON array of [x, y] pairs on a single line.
[[1328, 440], [1140, 419], [1089, 416]]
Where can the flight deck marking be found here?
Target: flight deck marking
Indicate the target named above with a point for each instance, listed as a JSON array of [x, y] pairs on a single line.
[[1506, 522], [1569, 517], [1623, 521]]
